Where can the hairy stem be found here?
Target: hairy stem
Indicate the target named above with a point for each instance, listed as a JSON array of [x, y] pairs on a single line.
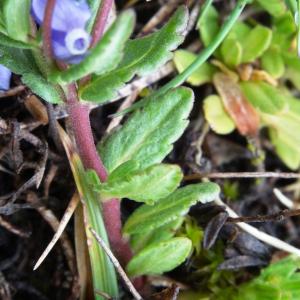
[[47, 31], [79, 114], [101, 19]]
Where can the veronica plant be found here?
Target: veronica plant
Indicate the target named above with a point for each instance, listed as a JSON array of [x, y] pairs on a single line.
[[65, 57]]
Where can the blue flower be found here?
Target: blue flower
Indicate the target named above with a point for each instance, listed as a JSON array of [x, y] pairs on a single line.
[[5, 75], [70, 39]]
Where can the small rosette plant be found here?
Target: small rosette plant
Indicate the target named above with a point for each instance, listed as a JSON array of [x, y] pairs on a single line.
[[251, 71]]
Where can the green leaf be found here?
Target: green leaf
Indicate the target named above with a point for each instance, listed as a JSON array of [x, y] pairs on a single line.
[[208, 25], [123, 170], [289, 155], [9, 42], [285, 24], [22, 62], [256, 43], [141, 56], [278, 281], [147, 185], [194, 232], [166, 210], [285, 268], [294, 107], [284, 30], [216, 115], [272, 61], [148, 135], [141, 240], [161, 257], [16, 18], [239, 31], [287, 127], [292, 68], [39, 85], [273, 7], [231, 51], [204, 74], [264, 97], [105, 56]]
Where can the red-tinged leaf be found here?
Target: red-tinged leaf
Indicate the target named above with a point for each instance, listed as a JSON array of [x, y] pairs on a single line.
[[241, 111]]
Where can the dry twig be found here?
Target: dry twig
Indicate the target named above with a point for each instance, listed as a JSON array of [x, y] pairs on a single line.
[[280, 175], [160, 16], [60, 229], [279, 216], [262, 236], [51, 219], [13, 229]]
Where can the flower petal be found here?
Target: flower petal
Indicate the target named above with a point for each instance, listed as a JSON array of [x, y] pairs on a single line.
[[68, 14], [5, 75], [70, 47]]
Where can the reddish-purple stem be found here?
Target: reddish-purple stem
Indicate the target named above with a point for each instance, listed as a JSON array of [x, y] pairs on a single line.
[[80, 120], [47, 31], [101, 20], [79, 114]]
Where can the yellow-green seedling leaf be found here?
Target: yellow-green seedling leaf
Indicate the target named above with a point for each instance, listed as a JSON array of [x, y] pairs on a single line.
[[287, 124], [160, 257], [21, 61], [16, 16], [208, 25], [284, 30], [149, 133], [150, 217], [141, 240], [287, 127], [273, 62], [216, 115], [292, 68], [184, 58], [231, 51], [239, 31], [148, 185], [264, 97], [105, 56], [256, 43], [273, 7], [285, 24], [294, 108], [141, 57], [288, 153]]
